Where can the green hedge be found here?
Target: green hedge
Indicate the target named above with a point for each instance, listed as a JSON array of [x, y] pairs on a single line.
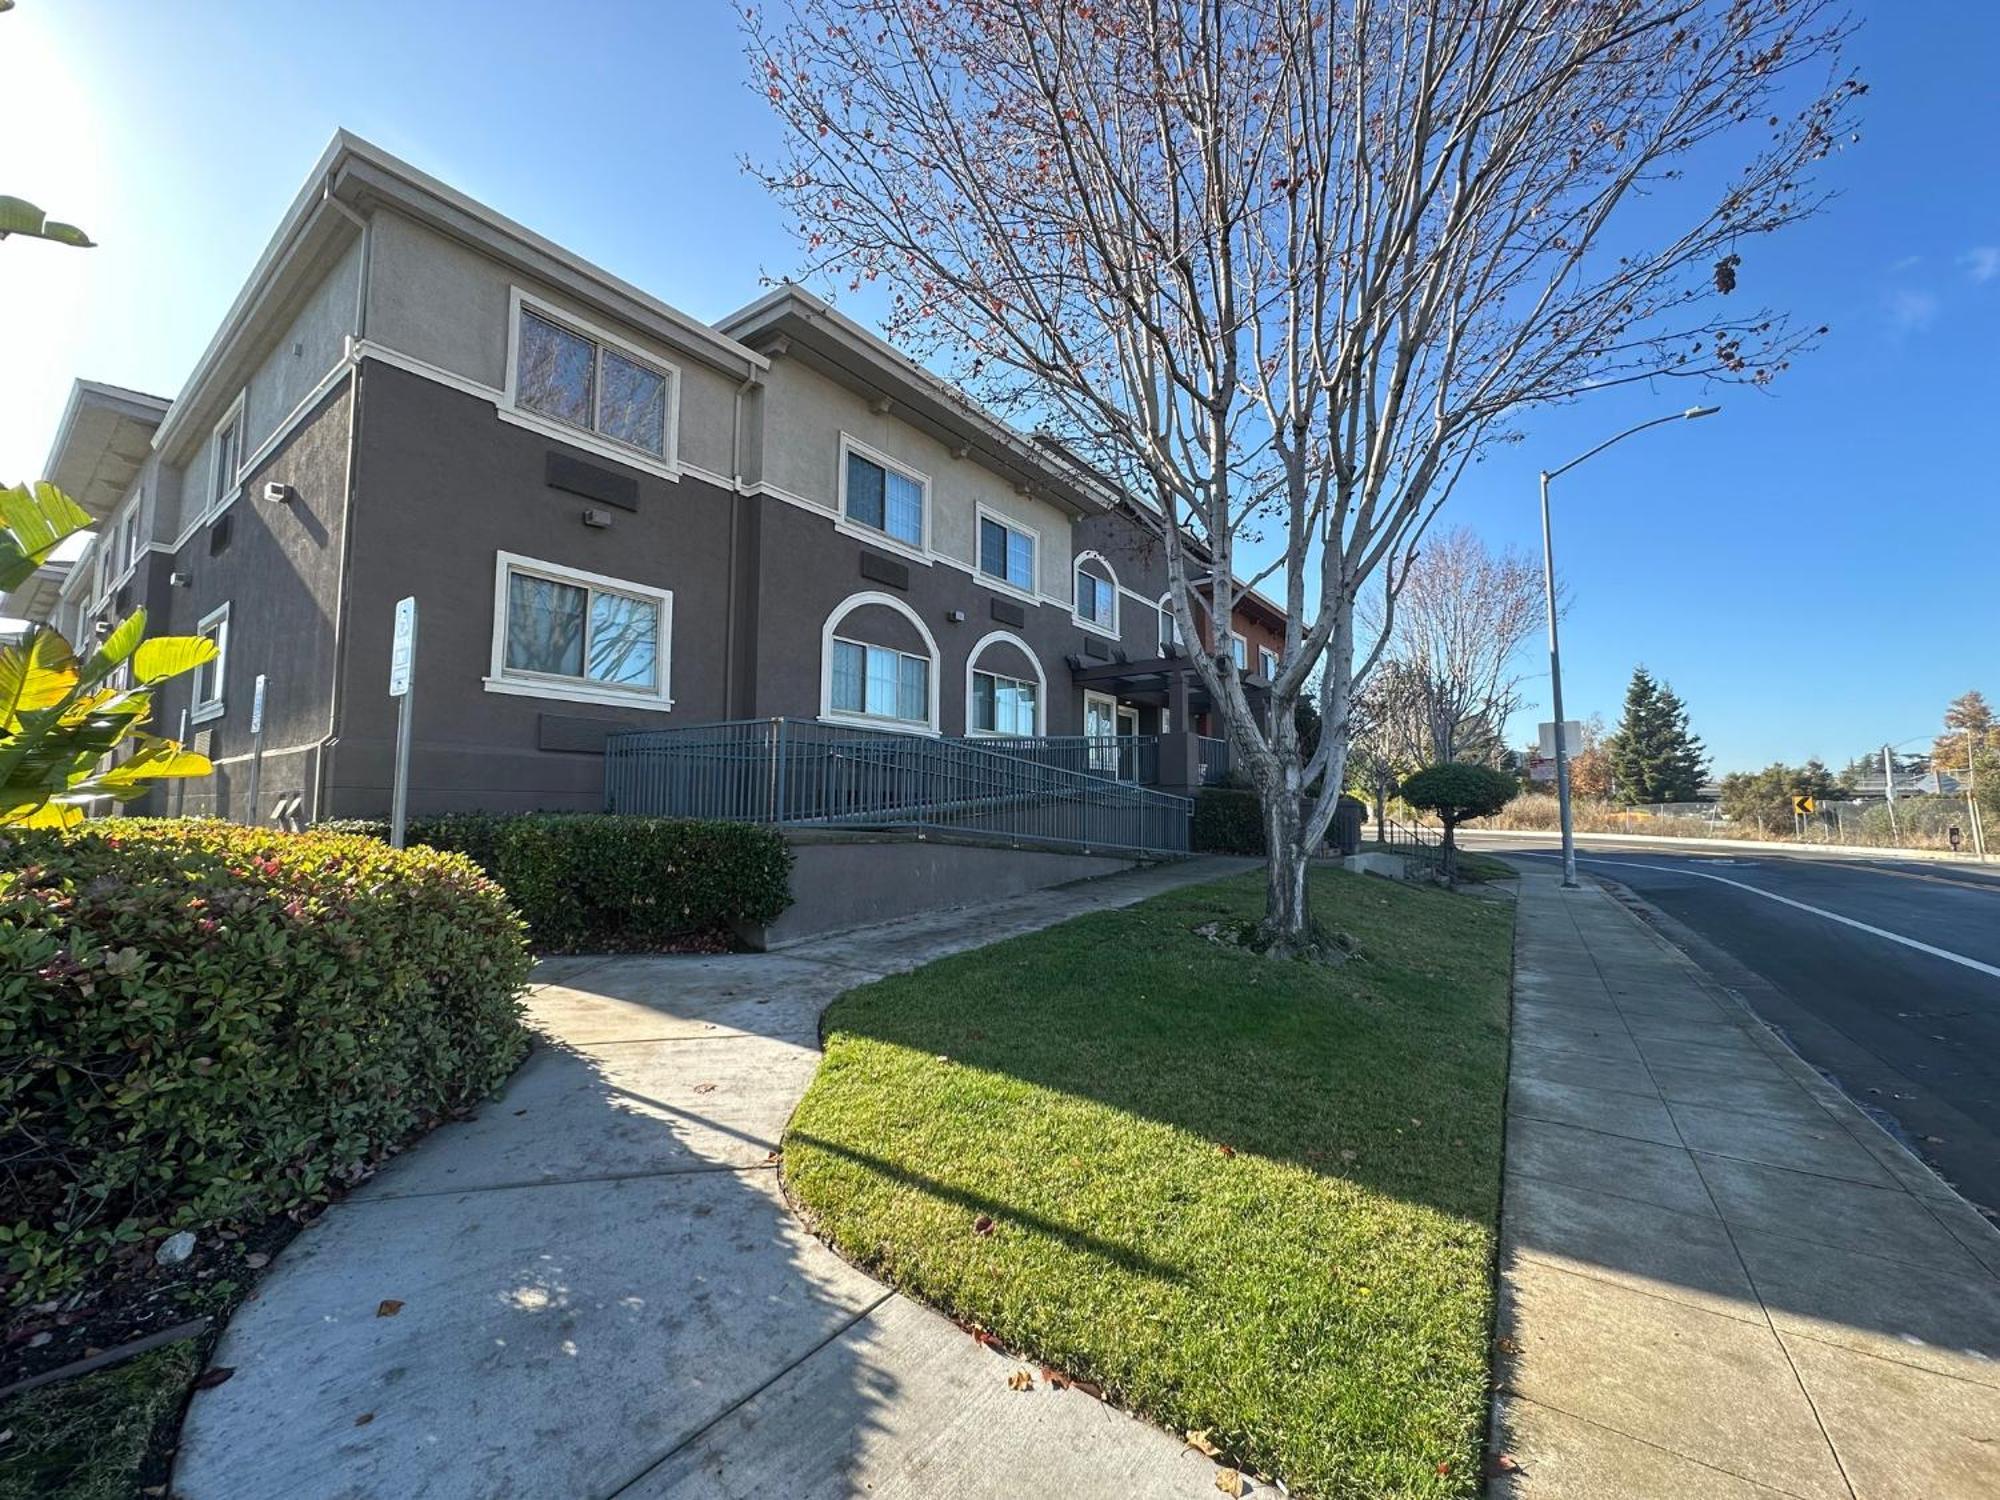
[[201, 1023], [591, 882], [1227, 821]]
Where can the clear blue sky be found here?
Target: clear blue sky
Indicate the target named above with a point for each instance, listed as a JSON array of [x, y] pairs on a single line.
[[1814, 570]]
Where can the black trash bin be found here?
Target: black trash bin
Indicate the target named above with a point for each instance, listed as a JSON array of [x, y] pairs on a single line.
[[1348, 815]]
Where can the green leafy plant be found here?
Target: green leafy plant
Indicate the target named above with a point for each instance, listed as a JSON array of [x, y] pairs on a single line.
[[592, 882], [62, 717], [1227, 820], [202, 1024], [18, 216], [1456, 791]]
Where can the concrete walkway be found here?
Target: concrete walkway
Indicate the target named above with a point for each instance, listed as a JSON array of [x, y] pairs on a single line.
[[595, 1288], [1719, 1278]]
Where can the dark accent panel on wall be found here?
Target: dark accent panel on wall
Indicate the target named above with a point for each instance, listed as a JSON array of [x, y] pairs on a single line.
[[579, 735], [1097, 649], [565, 472], [218, 536], [1009, 614], [885, 570]]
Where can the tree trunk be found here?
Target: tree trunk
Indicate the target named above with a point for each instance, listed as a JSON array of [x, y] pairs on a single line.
[[1451, 854], [1287, 921]]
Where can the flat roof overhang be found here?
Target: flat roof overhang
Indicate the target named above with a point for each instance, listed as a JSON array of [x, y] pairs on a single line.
[[103, 440], [1150, 682]]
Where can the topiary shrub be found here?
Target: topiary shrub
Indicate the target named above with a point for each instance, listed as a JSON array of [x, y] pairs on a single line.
[[1456, 791], [595, 882], [1226, 821], [203, 1024]]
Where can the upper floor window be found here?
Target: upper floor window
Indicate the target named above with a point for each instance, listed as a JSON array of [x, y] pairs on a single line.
[[579, 634], [883, 498], [1170, 628], [225, 467], [1239, 651], [1002, 705], [587, 382], [1006, 552], [1267, 661], [1096, 600], [880, 683], [209, 676]]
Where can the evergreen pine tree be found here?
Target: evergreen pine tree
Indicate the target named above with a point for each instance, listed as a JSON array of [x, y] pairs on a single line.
[[1654, 756]]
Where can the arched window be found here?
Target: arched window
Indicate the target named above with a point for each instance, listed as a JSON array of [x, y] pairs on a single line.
[[1006, 691], [1096, 594], [878, 665]]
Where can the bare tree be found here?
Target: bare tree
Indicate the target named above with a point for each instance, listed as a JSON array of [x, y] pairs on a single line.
[[1457, 625], [1290, 264]]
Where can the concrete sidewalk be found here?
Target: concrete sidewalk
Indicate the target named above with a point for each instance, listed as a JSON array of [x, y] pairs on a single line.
[[1719, 1277], [602, 1291]]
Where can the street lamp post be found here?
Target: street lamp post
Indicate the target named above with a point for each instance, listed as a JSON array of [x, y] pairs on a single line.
[[1555, 648]]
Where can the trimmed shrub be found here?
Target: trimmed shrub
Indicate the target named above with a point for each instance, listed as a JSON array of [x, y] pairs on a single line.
[[1226, 821], [203, 1024], [595, 882]]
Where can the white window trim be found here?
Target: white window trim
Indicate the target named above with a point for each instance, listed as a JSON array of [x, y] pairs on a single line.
[[1165, 614], [576, 689], [1235, 640], [1101, 759], [920, 551], [1041, 684], [667, 465], [831, 628], [213, 504], [1112, 630], [1267, 663], [201, 710], [1031, 594]]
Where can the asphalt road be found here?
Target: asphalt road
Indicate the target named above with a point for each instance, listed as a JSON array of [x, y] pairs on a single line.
[[1912, 1033]]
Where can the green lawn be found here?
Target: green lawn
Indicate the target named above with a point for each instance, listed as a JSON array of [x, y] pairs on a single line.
[[1242, 1195]]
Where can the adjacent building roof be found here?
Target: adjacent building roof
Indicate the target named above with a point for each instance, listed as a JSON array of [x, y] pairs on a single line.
[[793, 321]]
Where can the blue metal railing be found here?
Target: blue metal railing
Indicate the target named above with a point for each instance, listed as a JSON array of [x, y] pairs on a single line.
[[1214, 755], [802, 773], [1124, 757]]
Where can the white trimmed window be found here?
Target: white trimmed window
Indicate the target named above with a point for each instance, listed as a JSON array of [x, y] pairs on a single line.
[[878, 682], [876, 494], [1002, 705], [1006, 552], [1170, 628], [210, 675], [562, 633], [225, 469], [1267, 662], [1096, 601], [574, 375]]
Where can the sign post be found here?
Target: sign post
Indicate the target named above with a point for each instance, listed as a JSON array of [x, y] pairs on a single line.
[[256, 751], [402, 675]]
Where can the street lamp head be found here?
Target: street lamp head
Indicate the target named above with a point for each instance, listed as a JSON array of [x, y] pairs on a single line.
[[1699, 411]]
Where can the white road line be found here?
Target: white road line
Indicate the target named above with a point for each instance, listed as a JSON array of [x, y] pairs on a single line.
[[1818, 911]]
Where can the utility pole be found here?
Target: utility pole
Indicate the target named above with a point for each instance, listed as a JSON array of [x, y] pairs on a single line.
[[1972, 796]]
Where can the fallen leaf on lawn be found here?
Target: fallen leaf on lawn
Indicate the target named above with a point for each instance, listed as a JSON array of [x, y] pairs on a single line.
[[1505, 1463], [981, 1336], [771, 1156], [1349, 1155], [983, 1224], [364, 1419], [944, 1057], [704, 1088], [1055, 1379], [1227, 1150], [213, 1376], [388, 1307], [1197, 1439], [256, 1260], [1506, 1345], [1443, 1467], [1229, 1481], [1095, 1392], [1020, 1380]]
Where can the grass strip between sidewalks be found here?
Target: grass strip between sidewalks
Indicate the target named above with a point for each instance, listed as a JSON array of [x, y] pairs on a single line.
[[1248, 1198]]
